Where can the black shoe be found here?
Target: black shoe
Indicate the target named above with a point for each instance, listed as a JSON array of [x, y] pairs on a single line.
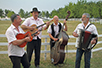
[[37, 66]]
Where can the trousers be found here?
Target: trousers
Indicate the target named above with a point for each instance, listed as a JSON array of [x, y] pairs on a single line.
[[87, 57], [17, 60], [31, 46]]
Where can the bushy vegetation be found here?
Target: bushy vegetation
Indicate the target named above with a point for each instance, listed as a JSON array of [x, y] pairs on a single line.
[[77, 9]]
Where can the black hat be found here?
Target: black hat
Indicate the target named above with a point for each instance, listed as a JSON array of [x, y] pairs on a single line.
[[35, 10]]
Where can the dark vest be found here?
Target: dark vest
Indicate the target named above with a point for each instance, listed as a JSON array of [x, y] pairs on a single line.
[[52, 28]]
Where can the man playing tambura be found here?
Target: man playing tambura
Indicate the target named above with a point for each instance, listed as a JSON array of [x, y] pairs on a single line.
[[35, 44], [16, 54], [87, 54]]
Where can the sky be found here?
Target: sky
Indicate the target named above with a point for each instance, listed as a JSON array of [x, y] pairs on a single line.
[[42, 5]]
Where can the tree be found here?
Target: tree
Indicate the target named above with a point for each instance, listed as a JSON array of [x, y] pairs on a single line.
[[1, 13], [22, 13], [27, 14], [6, 12], [43, 14], [53, 13], [99, 5], [47, 14], [10, 13]]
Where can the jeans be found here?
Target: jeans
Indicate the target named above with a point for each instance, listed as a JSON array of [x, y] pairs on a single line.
[[87, 57]]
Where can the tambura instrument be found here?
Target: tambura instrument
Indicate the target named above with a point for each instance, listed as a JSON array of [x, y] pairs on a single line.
[[36, 27], [84, 39]]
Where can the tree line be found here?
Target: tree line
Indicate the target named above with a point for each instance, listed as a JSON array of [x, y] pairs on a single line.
[[82, 6]]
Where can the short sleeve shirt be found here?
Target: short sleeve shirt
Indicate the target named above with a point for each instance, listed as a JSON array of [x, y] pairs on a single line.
[[14, 50], [56, 29], [91, 28], [30, 21]]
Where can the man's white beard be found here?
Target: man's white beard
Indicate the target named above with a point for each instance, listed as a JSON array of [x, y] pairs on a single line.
[[84, 21]]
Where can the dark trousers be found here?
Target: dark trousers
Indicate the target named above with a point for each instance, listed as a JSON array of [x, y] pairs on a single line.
[[34, 44], [51, 44], [17, 60], [87, 57]]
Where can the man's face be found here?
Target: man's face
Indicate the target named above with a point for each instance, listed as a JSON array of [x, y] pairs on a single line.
[[35, 15], [84, 19], [55, 19], [18, 20]]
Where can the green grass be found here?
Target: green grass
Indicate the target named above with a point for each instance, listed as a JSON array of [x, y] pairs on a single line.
[[69, 59]]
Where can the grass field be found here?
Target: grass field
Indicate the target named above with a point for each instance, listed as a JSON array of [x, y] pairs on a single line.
[[96, 61]]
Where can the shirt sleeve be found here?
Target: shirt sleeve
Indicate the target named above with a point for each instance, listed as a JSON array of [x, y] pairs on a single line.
[[76, 29], [94, 30], [26, 22], [49, 30], [10, 36]]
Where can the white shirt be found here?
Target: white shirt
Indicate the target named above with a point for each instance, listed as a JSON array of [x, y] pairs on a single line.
[[56, 29], [30, 21], [14, 50], [91, 28]]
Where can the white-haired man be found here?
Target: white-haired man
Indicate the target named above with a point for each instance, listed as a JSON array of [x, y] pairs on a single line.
[[87, 54]]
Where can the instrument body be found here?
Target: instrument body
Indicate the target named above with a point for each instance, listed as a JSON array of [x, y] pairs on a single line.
[[58, 53], [84, 39], [35, 26], [22, 36], [27, 34]]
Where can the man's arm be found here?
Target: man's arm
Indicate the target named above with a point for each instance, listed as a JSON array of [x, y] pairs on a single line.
[[65, 25], [75, 34], [47, 24], [19, 42], [55, 39], [94, 40], [27, 27]]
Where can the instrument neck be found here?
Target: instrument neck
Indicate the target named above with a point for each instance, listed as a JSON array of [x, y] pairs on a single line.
[[35, 32], [62, 27]]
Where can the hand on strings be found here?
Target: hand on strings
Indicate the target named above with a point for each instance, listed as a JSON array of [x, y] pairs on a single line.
[[37, 33], [27, 39], [31, 28], [55, 39]]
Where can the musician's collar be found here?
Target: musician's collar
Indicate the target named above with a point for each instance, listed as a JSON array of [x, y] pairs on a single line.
[[13, 27], [54, 24], [87, 24]]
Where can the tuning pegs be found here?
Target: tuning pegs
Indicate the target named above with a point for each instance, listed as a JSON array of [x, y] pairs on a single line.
[[68, 12], [67, 15]]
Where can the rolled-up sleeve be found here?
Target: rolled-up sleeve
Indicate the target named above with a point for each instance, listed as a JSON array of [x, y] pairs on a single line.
[[26, 22], [49, 30], [10, 36]]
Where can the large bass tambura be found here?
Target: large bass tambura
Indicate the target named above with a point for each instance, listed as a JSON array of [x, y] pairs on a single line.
[[84, 39]]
